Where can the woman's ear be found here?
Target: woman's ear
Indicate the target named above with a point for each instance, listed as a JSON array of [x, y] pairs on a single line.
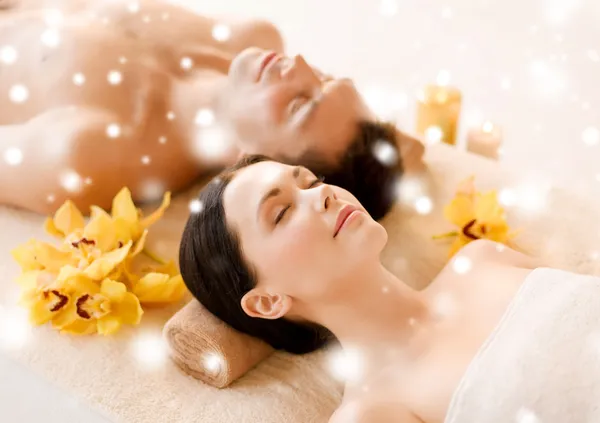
[[257, 303]]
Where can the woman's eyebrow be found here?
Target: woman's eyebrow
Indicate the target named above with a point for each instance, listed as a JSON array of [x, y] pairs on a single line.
[[276, 191]]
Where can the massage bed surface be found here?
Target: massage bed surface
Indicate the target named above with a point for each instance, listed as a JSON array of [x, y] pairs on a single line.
[[129, 378]]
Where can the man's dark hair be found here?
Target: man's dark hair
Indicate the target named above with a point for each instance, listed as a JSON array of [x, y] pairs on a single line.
[[359, 170]]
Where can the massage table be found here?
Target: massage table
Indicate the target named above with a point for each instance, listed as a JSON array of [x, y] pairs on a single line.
[[129, 378]]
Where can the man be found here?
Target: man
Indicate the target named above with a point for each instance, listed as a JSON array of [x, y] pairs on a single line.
[[97, 95]]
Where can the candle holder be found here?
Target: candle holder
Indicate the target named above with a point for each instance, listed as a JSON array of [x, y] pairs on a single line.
[[438, 112], [485, 140]]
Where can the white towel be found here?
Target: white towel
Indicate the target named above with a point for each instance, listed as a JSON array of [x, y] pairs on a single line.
[[542, 362]]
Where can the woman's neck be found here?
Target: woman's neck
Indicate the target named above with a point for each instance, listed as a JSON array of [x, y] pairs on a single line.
[[376, 315]]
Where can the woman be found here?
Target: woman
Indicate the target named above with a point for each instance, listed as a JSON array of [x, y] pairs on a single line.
[[280, 255], [103, 94]]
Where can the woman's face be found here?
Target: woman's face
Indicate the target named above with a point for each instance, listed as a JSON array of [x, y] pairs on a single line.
[[282, 107], [302, 237]]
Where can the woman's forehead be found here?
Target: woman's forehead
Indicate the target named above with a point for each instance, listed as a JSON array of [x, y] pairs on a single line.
[[249, 184]]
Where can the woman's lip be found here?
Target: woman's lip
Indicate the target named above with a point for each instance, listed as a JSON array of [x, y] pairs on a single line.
[[343, 216], [265, 62]]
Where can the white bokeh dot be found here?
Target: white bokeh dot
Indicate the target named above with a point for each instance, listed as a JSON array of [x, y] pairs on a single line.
[[433, 134], [51, 37], [505, 83], [146, 19], [443, 77], [8, 55], [122, 60], [115, 77], [15, 330], [133, 7], [385, 289], [88, 181], [524, 415], [204, 117], [346, 365], [162, 140], [507, 197], [593, 55], [146, 160], [385, 153], [18, 93], [186, 63], [113, 130], [170, 115], [149, 350], [591, 136], [447, 13], [165, 16], [50, 198], [196, 206], [221, 32], [71, 181], [79, 79], [213, 362], [13, 156], [461, 264], [423, 205], [152, 189]]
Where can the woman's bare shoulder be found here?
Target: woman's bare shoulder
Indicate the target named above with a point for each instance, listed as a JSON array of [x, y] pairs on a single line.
[[370, 409], [486, 252]]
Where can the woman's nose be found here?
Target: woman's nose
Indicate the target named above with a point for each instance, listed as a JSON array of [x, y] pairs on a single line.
[[325, 198]]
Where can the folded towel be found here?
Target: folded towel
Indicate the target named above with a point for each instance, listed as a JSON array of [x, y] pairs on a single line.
[[542, 363], [208, 349]]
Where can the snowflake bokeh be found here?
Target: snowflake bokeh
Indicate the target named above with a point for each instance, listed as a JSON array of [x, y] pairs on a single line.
[[149, 350], [15, 330]]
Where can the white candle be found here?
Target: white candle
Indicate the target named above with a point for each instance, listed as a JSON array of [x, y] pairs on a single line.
[[485, 140]]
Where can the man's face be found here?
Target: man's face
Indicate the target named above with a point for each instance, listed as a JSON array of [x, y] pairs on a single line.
[[282, 107]]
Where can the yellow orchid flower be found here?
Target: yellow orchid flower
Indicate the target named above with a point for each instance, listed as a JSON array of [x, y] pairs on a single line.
[[67, 219], [103, 266], [159, 288], [46, 299], [103, 309], [25, 256], [38, 255], [128, 215], [477, 215], [87, 284]]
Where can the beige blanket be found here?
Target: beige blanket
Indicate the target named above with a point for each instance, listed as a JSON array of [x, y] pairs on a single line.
[[106, 373], [542, 363]]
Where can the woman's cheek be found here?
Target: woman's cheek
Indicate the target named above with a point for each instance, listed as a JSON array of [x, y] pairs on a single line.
[[300, 239]]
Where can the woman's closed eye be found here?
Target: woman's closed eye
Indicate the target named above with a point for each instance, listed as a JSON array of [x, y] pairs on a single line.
[[281, 214]]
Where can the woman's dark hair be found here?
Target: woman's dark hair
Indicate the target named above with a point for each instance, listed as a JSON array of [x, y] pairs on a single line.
[[216, 273]]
